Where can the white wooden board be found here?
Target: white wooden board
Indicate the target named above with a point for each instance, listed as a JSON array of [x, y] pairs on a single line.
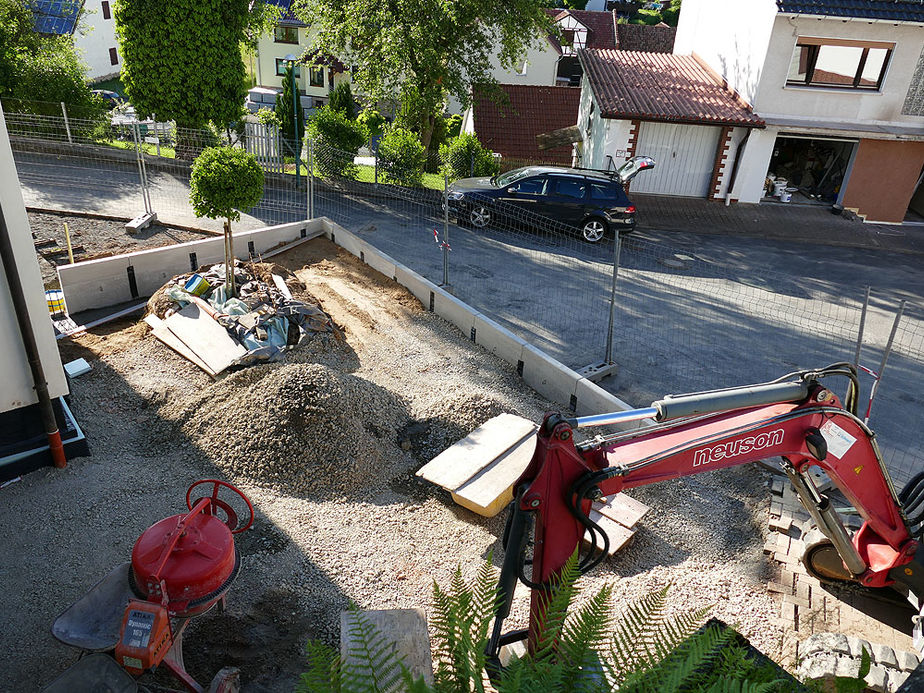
[[619, 536], [623, 509], [491, 489], [460, 462]]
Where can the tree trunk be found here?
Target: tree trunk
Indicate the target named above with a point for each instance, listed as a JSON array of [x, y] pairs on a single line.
[[229, 260]]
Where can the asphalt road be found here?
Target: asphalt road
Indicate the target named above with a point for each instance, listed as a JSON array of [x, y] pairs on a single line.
[[693, 312]]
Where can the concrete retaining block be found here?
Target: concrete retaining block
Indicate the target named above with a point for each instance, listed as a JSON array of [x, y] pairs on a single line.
[[547, 376], [379, 261], [453, 310], [420, 287], [593, 399], [498, 340], [105, 282], [345, 239]]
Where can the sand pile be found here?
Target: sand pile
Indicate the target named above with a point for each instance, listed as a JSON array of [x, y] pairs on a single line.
[[302, 428]]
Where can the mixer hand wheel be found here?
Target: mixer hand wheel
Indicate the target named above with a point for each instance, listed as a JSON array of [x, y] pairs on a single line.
[[216, 503]]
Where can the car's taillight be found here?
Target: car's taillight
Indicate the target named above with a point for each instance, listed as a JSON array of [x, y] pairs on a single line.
[[630, 209]]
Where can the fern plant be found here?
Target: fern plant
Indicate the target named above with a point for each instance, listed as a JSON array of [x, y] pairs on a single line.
[[578, 650]]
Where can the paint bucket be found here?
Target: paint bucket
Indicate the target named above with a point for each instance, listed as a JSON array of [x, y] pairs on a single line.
[[779, 186], [197, 285], [55, 301], [785, 196]]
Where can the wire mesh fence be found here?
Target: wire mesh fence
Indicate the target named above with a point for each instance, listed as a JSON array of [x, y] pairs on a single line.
[[684, 320]]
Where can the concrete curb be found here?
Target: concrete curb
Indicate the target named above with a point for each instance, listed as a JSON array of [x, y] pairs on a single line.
[[544, 374]]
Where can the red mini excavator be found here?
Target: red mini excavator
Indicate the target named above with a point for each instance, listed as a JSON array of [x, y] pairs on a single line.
[[795, 418]]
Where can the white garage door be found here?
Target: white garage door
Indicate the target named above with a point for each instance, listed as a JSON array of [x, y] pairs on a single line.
[[684, 156]]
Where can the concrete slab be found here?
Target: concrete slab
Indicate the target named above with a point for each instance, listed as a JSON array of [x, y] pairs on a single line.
[[498, 340], [405, 631], [547, 376]]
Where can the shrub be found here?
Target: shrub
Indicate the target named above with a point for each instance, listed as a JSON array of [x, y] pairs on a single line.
[[373, 122], [401, 157], [464, 156], [453, 126], [268, 117], [223, 181], [337, 139], [341, 100]]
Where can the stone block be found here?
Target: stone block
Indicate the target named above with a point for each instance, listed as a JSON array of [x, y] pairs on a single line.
[[907, 661], [857, 645], [823, 643], [897, 678], [405, 631], [877, 679], [885, 656]]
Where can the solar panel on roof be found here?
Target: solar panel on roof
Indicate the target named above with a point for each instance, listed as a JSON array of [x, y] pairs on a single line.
[[56, 16]]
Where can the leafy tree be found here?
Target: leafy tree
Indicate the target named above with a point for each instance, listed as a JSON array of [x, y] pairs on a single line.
[[288, 115], [415, 53], [341, 99], [35, 68], [465, 156], [373, 122], [337, 140], [224, 181], [181, 59], [17, 39], [401, 157]]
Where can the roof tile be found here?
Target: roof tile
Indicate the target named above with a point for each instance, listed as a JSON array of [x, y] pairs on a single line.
[[662, 87], [511, 129], [888, 10]]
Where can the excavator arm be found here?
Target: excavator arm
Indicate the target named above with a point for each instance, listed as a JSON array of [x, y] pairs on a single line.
[[800, 421]]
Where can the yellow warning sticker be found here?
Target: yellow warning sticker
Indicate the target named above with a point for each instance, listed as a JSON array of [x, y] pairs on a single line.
[[858, 469]]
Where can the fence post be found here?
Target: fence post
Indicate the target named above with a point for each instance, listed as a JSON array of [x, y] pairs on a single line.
[[445, 228], [67, 125], [617, 248], [375, 157], [142, 169], [471, 165], [310, 179], [156, 134]]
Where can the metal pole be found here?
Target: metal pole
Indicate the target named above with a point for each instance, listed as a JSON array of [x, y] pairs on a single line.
[[445, 228], [310, 180], [67, 125], [885, 358], [375, 155], [142, 170], [295, 137], [856, 358], [617, 249]]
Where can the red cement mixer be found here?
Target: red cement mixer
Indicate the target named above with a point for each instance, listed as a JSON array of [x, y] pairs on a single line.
[[133, 620]]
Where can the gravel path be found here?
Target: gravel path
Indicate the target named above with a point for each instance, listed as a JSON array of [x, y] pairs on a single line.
[[406, 384]]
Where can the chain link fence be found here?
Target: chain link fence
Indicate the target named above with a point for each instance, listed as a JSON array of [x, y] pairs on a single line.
[[670, 319]]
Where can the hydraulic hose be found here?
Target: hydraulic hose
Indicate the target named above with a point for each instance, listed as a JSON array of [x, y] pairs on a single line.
[[31, 346]]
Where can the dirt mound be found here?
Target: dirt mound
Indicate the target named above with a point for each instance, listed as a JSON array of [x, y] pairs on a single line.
[[302, 428]]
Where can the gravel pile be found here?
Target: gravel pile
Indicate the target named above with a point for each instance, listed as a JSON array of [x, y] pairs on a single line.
[[302, 428]]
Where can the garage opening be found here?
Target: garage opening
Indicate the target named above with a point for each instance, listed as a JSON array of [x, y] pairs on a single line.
[[808, 170]]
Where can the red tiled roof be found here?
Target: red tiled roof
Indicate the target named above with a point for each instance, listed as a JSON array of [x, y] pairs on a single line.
[[601, 29], [662, 87], [510, 129]]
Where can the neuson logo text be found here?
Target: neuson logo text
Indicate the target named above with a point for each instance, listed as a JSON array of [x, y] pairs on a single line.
[[733, 448]]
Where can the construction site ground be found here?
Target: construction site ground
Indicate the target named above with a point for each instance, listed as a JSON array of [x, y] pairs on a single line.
[[340, 515]]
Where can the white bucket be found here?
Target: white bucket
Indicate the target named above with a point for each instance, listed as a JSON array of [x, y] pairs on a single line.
[[779, 186], [785, 196]]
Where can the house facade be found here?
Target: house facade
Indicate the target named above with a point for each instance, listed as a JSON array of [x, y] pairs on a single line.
[[292, 37], [839, 87], [91, 25]]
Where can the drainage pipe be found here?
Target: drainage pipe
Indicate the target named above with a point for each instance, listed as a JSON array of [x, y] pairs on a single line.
[[28, 340]]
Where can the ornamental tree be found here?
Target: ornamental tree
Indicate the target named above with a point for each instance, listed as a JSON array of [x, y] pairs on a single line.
[[225, 181], [417, 52], [181, 60]]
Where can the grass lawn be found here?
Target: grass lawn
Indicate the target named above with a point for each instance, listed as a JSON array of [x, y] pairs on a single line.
[[434, 181], [150, 149], [114, 84]]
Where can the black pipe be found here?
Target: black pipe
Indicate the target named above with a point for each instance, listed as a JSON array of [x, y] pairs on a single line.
[[734, 171], [31, 346]]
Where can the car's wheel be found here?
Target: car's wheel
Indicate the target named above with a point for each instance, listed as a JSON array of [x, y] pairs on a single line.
[[593, 229], [479, 216]]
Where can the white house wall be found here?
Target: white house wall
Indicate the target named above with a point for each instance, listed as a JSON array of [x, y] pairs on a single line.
[[752, 169], [775, 98], [607, 136], [732, 38], [94, 37], [17, 390], [267, 53]]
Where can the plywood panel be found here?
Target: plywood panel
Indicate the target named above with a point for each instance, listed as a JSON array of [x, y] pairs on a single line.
[[205, 337]]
